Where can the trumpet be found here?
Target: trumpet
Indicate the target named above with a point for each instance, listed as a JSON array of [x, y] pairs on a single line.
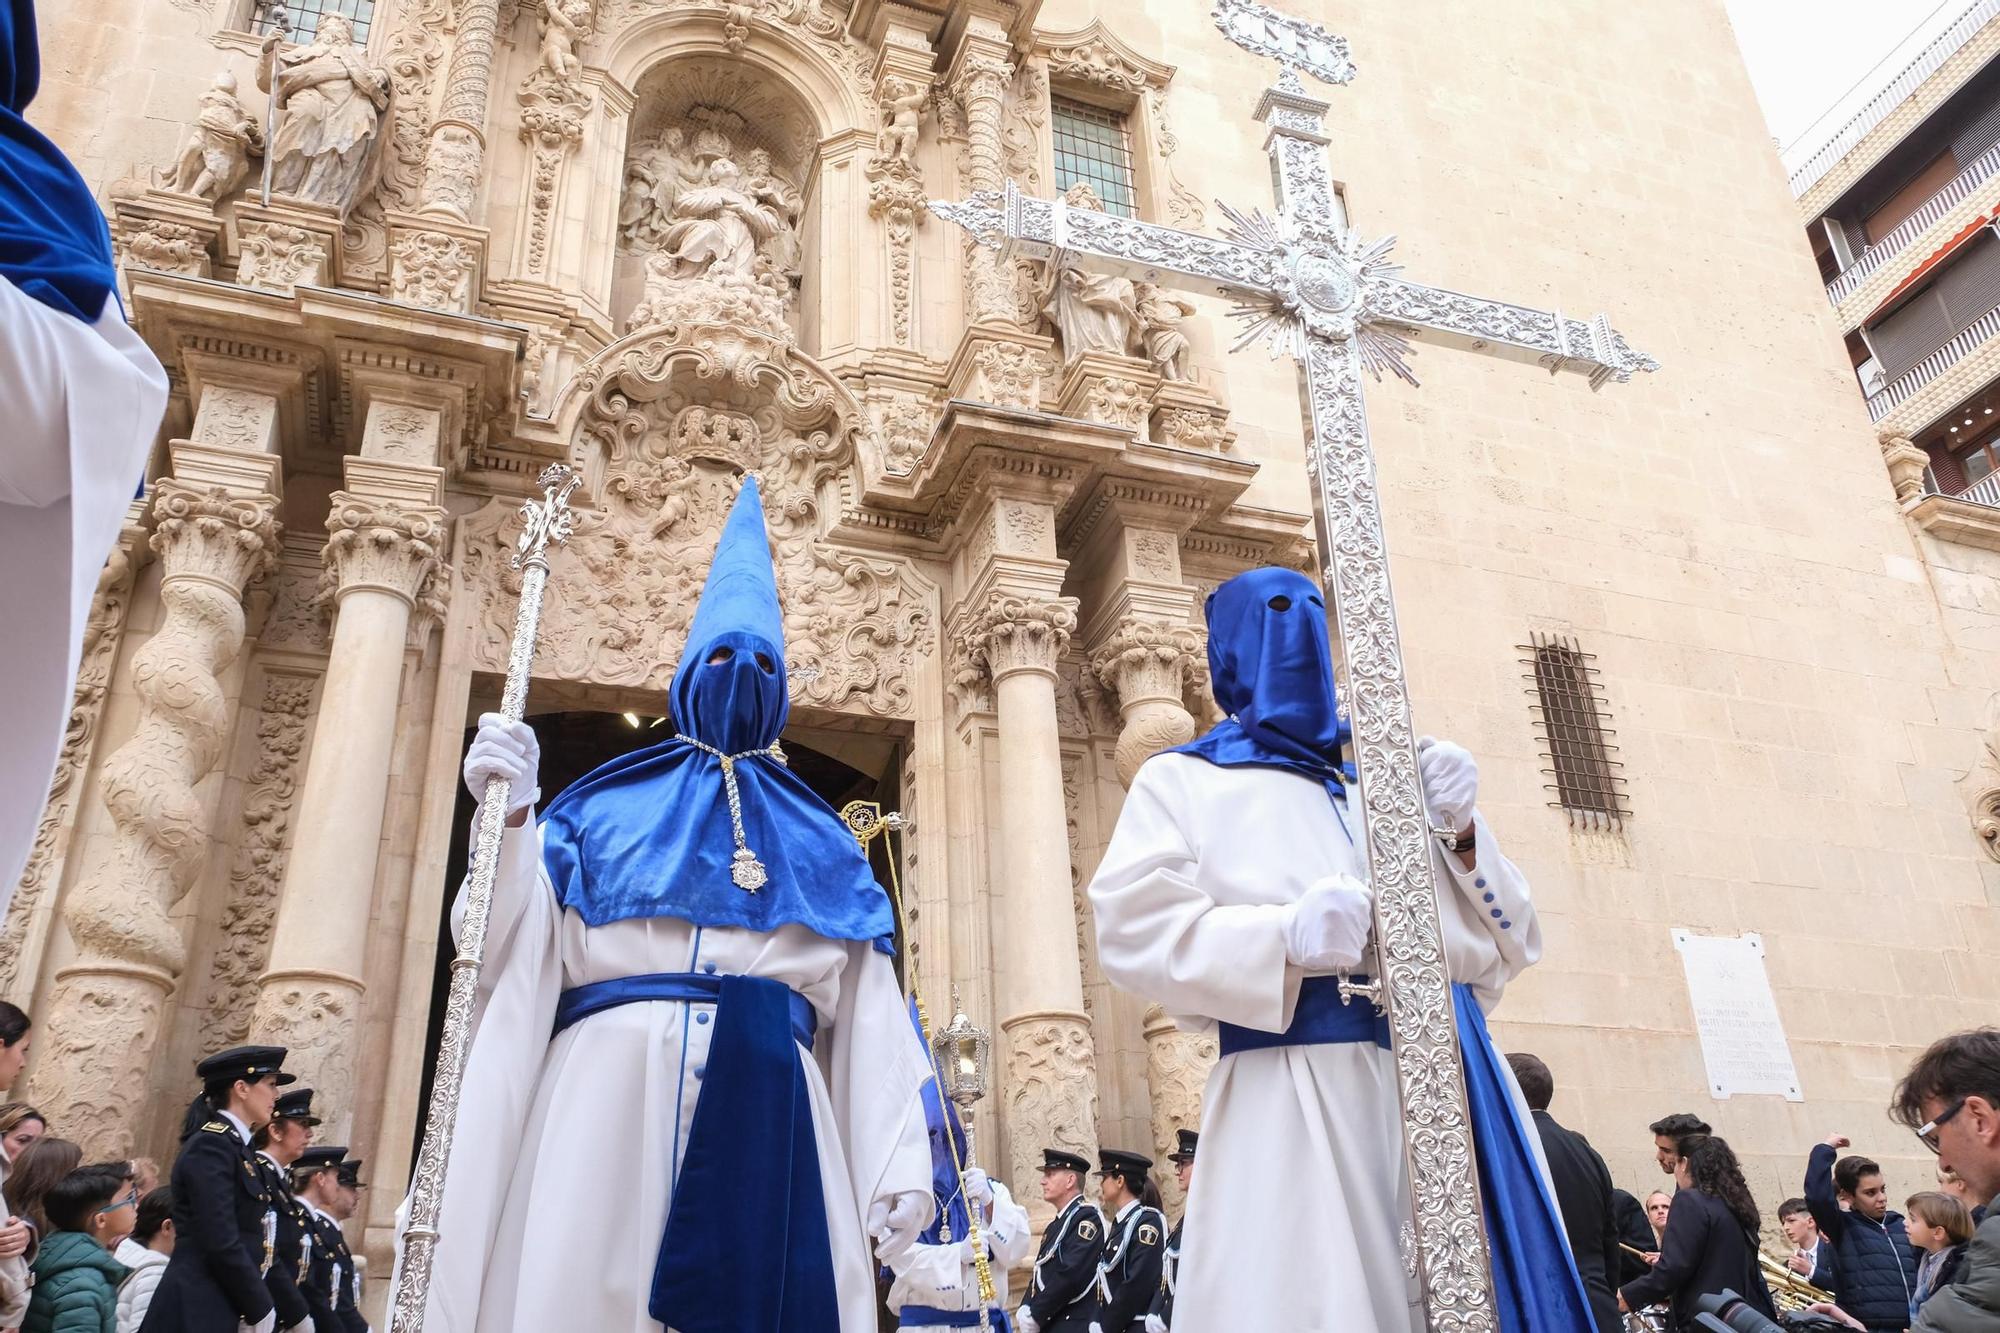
[[1789, 1290]]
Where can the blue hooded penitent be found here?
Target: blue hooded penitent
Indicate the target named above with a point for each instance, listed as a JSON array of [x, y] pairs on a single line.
[[650, 834], [948, 1148], [1271, 667], [54, 244]]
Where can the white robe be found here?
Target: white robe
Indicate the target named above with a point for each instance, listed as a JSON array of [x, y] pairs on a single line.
[[561, 1167], [943, 1278], [80, 404], [1294, 1220]]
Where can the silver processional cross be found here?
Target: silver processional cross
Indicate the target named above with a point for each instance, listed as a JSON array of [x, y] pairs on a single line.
[[1332, 300]]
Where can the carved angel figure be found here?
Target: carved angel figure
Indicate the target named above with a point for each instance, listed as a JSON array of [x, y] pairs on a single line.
[[1160, 317], [902, 117], [654, 180], [564, 26], [327, 149], [215, 156]]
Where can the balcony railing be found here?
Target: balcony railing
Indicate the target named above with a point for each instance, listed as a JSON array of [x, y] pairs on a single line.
[[1873, 112], [1884, 400], [1949, 196], [1985, 491]]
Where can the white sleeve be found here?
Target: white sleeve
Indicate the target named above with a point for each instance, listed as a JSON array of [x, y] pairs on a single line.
[[876, 1068], [1494, 895], [1010, 1238], [36, 354], [928, 1275], [1159, 935], [522, 894]]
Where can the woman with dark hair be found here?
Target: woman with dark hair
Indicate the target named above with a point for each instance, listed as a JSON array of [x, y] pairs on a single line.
[[34, 1173], [14, 1025], [1710, 1243]]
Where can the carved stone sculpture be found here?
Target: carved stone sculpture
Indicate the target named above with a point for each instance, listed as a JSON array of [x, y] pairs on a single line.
[[902, 117], [1092, 312], [335, 113], [1906, 464], [718, 260], [1160, 314], [654, 179], [564, 25], [215, 156]]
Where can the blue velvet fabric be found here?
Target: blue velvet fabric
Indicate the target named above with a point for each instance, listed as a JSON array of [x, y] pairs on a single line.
[[1535, 1283], [594, 997], [1270, 664], [746, 1247], [923, 1316], [947, 1136], [1319, 1019], [648, 834], [54, 244]]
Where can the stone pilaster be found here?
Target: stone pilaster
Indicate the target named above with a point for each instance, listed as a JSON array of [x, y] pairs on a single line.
[[215, 529], [386, 536], [435, 263], [158, 229], [1111, 390], [456, 157], [896, 192]]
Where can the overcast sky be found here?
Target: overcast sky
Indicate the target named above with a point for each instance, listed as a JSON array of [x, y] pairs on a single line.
[[1814, 62]]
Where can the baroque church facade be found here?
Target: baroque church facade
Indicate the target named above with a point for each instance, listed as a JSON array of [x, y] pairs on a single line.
[[670, 242]]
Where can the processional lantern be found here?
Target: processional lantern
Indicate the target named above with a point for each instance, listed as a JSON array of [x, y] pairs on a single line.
[[960, 1051]]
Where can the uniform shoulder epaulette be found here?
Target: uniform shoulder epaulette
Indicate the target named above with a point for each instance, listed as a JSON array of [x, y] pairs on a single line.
[[215, 1127]]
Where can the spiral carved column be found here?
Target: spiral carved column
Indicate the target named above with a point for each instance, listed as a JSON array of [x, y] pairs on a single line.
[[104, 1015], [457, 153], [980, 81]]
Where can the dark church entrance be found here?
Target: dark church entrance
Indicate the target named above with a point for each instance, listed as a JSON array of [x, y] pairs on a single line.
[[839, 766]]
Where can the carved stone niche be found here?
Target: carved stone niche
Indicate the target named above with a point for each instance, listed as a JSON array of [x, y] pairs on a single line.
[[663, 424]]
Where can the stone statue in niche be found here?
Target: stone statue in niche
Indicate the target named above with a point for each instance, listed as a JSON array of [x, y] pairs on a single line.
[[718, 224], [335, 110], [1160, 316], [1092, 312], [215, 157], [564, 25], [902, 118]]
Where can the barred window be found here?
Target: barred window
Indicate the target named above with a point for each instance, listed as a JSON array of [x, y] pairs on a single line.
[[1570, 718], [303, 16], [1093, 146]]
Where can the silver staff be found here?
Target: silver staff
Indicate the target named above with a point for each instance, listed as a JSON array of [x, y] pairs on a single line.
[[546, 522], [281, 27]]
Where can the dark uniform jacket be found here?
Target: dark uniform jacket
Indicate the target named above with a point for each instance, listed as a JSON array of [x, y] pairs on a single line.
[[318, 1283], [1583, 1196], [1706, 1250], [1062, 1296], [1129, 1272], [1170, 1275], [291, 1251], [216, 1274]]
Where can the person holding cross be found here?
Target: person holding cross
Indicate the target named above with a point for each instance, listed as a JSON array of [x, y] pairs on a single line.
[[1231, 893]]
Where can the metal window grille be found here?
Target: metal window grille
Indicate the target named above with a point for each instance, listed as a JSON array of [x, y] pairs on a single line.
[[1570, 721], [303, 16], [1092, 146]]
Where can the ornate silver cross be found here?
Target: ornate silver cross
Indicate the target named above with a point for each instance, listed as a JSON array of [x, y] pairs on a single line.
[[1310, 287]]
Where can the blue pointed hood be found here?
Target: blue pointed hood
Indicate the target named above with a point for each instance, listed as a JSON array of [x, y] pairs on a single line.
[[650, 834], [1270, 663], [54, 244]]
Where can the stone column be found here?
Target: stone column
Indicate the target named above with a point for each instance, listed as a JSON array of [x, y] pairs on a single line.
[[215, 529], [980, 72], [386, 533], [457, 153], [1177, 1065]]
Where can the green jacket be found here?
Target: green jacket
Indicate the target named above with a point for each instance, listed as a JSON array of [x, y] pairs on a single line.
[[1972, 1304], [76, 1286]]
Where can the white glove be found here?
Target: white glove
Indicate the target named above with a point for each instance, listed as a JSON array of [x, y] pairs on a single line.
[[1096, 1327], [504, 749], [1451, 783], [1024, 1322], [896, 1226], [268, 1324], [977, 1187], [1155, 1324], [1327, 929]]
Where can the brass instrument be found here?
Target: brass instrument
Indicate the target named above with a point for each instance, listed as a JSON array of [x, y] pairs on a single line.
[[1789, 1290]]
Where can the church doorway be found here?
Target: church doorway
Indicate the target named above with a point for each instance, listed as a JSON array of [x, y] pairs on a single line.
[[840, 766]]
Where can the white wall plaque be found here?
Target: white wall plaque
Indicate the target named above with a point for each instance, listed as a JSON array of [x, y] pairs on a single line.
[[1736, 1016]]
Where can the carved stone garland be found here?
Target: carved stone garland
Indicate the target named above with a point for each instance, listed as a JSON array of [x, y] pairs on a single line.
[[552, 115], [104, 1014]]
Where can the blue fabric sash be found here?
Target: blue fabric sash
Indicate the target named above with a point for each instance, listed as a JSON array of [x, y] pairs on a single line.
[[923, 1316], [1535, 1283], [1319, 1020], [580, 1002], [745, 1248]]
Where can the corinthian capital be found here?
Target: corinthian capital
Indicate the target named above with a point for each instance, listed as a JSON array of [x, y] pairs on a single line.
[[383, 545], [213, 533], [1018, 633], [1147, 664], [982, 78]]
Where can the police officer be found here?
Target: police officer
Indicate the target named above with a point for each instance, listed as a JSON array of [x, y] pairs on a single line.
[[1128, 1272], [1160, 1319], [278, 1146], [1062, 1296], [315, 1183], [348, 1303], [215, 1280]]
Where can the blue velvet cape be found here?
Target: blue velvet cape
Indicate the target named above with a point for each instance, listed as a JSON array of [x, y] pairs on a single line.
[[648, 834], [54, 244]]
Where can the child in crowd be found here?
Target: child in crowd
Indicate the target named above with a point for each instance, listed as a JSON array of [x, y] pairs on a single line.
[[1939, 1226], [76, 1280], [1850, 1202], [145, 1252]]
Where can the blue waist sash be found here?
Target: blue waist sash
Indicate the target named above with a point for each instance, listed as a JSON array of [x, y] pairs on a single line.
[[745, 1248], [1319, 1020], [923, 1316], [580, 1002]]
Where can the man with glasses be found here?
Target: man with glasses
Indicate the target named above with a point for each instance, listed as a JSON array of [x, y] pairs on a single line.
[[1951, 1098]]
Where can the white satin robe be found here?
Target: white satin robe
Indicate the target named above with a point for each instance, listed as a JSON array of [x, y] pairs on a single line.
[[1294, 1220], [561, 1170], [80, 405], [943, 1278]]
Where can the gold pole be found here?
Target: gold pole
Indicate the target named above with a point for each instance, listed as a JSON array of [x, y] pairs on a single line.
[[546, 522], [867, 822]]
